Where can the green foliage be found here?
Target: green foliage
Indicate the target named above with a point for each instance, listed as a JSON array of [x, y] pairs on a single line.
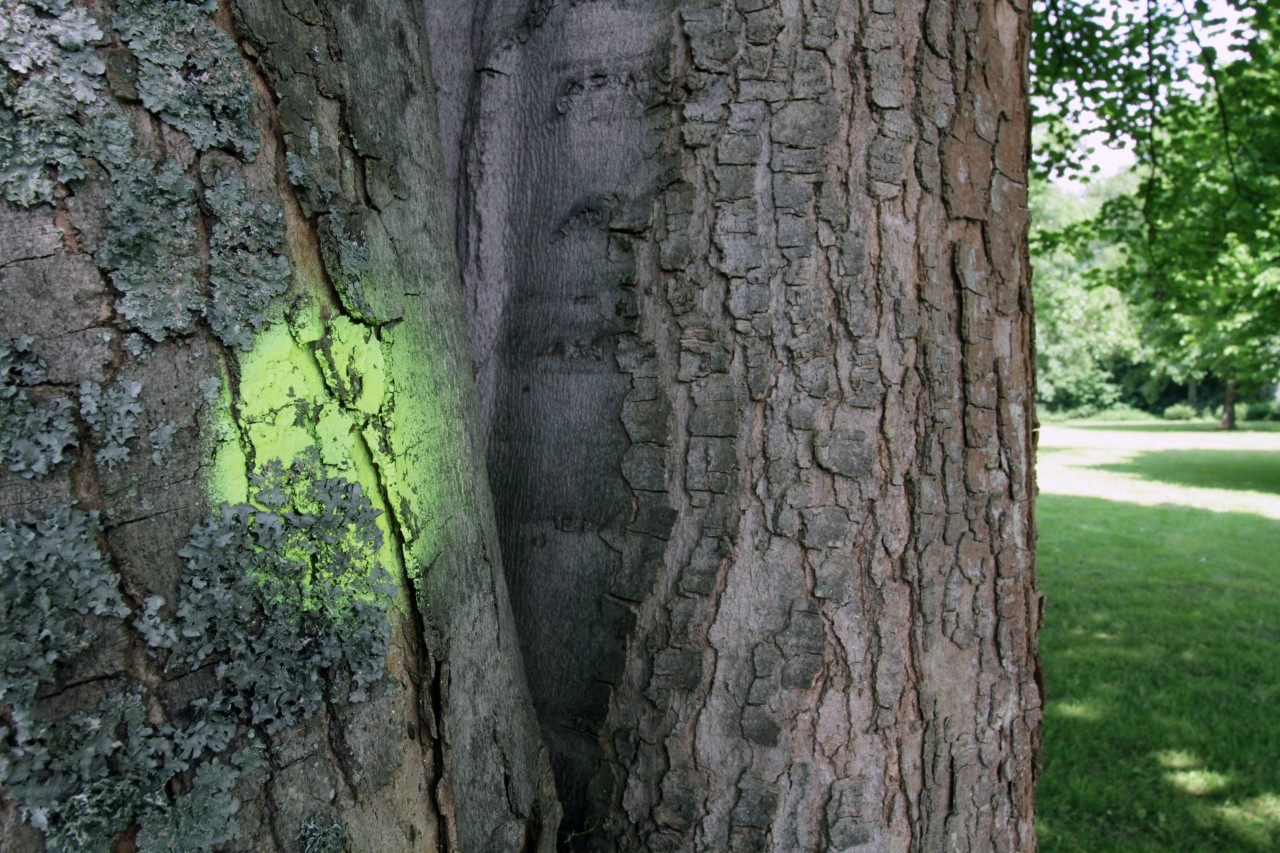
[[245, 273], [1118, 414], [1077, 371], [46, 48], [1112, 67], [1195, 242], [1179, 412], [1258, 410], [33, 438], [189, 71]]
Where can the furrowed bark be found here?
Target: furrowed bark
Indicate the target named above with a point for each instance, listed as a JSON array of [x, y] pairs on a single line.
[[750, 310]]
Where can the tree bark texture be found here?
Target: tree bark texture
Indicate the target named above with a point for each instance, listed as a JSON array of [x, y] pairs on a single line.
[[231, 304], [750, 312], [1229, 395]]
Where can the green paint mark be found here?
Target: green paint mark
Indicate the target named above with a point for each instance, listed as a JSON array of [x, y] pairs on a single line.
[[354, 365], [229, 475], [423, 450], [336, 437], [309, 388]]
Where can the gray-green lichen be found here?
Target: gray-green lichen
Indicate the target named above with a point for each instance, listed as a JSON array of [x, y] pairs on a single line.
[[152, 255], [85, 778], [108, 138], [346, 258], [34, 437], [280, 594], [189, 74], [151, 250], [189, 71], [112, 416], [284, 600], [46, 47], [298, 170], [204, 815], [160, 440], [323, 833], [51, 575], [245, 273]]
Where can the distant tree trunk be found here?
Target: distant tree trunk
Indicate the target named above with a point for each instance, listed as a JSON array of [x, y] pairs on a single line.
[[227, 278], [749, 305], [1228, 420]]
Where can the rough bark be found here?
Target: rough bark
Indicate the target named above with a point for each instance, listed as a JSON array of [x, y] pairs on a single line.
[[749, 303], [159, 356]]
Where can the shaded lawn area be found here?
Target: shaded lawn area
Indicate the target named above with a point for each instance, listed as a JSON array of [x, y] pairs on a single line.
[[1174, 426], [1243, 470], [1161, 650]]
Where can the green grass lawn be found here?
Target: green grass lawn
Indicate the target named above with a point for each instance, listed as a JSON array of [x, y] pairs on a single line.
[[1161, 651], [1244, 470]]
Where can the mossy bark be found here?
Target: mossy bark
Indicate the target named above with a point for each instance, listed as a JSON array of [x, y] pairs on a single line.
[[296, 305]]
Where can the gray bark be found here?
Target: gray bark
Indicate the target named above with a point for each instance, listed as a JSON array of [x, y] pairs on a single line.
[[749, 305], [321, 116]]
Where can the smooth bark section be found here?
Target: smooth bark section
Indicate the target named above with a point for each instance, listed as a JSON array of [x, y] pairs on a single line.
[[750, 306], [558, 165]]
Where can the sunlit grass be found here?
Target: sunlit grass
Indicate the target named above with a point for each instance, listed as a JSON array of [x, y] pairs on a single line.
[[1257, 820], [1197, 783], [1222, 472], [1161, 649]]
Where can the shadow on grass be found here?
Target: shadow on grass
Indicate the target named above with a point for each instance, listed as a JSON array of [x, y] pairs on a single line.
[[1171, 426], [1239, 470], [1161, 650]]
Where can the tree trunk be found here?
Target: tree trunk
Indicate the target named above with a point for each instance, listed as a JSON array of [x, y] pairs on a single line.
[[749, 305], [1228, 419], [235, 384]]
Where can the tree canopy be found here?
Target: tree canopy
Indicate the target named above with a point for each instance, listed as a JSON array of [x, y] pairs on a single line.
[[1197, 238]]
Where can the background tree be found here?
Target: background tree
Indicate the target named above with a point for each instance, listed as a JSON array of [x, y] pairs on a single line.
[[1200, 254], [1197, 235], [1089, 345]]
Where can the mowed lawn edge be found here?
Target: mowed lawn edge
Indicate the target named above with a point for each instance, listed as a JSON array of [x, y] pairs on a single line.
[[1161, 654]]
